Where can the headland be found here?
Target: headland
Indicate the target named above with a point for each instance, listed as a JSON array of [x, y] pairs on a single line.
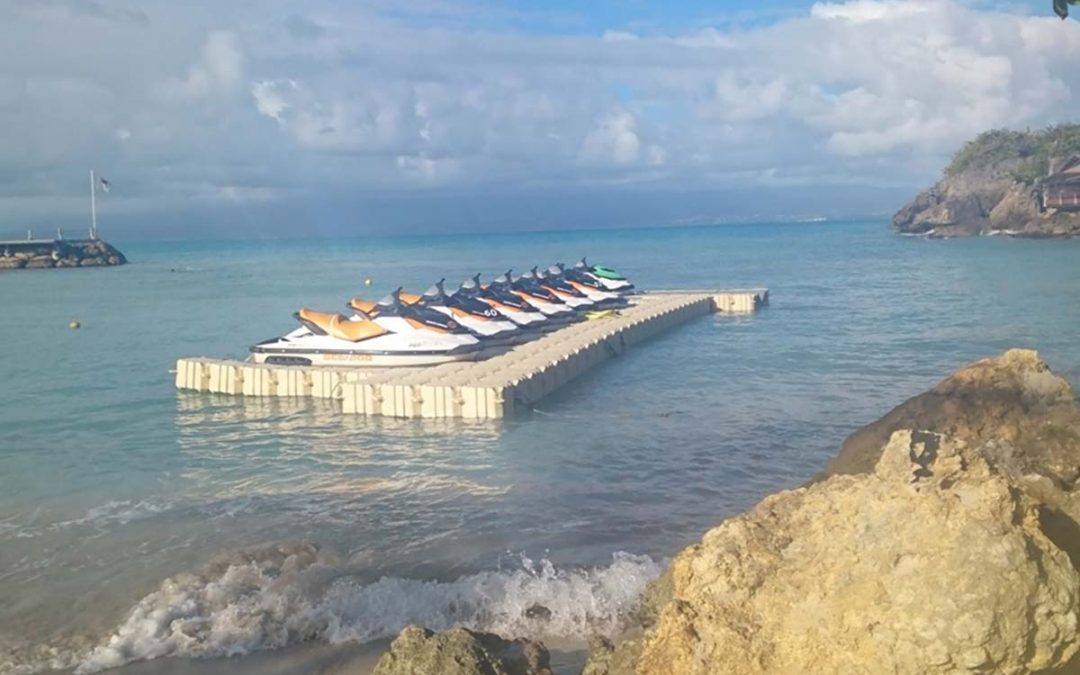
[[1010, 183]]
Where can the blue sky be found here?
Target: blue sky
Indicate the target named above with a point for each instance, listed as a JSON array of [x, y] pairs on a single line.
[[378, 116], [568, 17]]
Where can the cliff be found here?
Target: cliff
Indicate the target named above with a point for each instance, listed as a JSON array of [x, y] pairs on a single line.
[[988, 188], [44, 254]]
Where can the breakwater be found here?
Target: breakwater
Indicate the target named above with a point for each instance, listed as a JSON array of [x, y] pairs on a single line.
[[52, 253]]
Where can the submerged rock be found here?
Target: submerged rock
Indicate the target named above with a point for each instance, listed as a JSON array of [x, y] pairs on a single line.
[[933, 563], [459, 651]]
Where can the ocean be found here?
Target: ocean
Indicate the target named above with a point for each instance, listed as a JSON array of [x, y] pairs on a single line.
[[170, 531]]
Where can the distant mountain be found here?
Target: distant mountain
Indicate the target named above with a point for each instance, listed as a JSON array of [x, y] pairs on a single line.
[[1002, 183]]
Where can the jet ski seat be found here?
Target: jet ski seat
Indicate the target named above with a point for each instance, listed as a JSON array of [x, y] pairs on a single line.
[[338, 326], [365, 306]]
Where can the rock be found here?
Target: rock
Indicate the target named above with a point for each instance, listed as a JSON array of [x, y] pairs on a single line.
[[1022, 416], [958, 205], [459, 651], [61, 253], [932, 563], [988, 188], [605, 659]]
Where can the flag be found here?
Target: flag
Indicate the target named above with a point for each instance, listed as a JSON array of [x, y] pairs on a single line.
[[105, 185]]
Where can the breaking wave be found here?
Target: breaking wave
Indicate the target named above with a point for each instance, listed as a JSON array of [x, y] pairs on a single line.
[[274, 596]]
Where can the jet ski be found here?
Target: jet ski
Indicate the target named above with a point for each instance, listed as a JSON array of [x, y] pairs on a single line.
[[561, 288], [476, 315], [531, 292], [507, 303], [588, 285], [331, 339], [607, 277], [394, 314]]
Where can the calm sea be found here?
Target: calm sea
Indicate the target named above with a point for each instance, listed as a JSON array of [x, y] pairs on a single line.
[[137, 522]]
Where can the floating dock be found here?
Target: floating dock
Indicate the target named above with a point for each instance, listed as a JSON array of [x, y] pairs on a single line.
[[489, 389]]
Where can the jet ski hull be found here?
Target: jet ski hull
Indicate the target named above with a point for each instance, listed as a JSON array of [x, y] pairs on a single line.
[[419, 348], [355, 358]]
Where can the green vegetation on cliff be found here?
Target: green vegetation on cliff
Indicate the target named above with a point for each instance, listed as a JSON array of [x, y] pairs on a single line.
[[1031, 151]]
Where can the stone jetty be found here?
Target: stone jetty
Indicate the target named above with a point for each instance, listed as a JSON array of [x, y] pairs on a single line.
[[53, 253]]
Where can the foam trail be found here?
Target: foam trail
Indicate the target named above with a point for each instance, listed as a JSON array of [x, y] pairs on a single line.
[[281, 595]]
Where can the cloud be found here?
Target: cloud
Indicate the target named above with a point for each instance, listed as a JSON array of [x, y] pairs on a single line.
[[861, 11], [199, 97], [219, 69], [272, 97], [614, 138]]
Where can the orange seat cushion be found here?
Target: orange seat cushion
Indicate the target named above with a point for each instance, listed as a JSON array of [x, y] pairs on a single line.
[[365, 306], [354, 331]]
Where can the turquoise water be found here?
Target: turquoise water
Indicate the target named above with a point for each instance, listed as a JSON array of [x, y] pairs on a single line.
[[281, 522]]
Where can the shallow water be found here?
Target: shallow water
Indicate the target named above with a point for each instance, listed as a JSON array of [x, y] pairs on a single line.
[[112, 482]]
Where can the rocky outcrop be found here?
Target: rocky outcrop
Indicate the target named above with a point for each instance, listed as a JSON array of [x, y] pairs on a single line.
[[59, 253], [965, 206], [1013, 408], [943, 539], [955, 206], [989, 188], [459, 651], [932, 563]]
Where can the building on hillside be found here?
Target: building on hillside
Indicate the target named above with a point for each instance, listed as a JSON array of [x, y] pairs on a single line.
[[1061, 189]]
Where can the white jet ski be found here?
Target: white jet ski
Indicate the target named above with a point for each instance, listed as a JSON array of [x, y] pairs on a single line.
[[549, 304], [587, 284], [331, 339], [506, 302], [563, 289], [485, 321], [607, 277]]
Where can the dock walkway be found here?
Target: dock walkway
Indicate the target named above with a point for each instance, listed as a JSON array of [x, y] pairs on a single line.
[[488, 389]]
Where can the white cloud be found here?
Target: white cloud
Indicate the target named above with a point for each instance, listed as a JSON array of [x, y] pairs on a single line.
[[861, 91], [861, 11], [219, 69], [271, 97], [614, 139]]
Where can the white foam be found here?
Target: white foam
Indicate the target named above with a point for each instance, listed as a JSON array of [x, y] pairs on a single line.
[[281, 595]]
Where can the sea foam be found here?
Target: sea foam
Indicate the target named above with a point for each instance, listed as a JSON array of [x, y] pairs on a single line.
[[285, 594]]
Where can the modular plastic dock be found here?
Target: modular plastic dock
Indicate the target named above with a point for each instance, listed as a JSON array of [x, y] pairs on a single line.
[[488, 389]]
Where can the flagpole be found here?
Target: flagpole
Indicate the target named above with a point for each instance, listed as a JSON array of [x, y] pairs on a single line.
[[93, 206]]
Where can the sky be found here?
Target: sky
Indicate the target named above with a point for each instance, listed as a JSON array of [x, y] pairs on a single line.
[[273, 118]]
